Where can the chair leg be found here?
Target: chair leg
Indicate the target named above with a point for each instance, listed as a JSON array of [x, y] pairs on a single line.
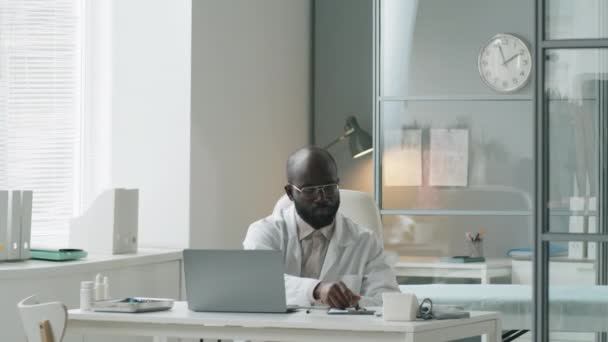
[[46, 333], [513, 335]]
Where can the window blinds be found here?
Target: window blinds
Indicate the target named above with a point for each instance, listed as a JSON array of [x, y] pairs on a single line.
[[40, 133]]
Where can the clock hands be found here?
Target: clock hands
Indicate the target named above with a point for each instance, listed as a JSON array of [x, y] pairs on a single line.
[[502, 54], [511, 58]]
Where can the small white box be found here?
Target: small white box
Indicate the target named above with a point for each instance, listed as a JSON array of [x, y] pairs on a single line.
[[592, 246], [110, 225], [592, 203], [577, 203], [576, 249], [398, 306]]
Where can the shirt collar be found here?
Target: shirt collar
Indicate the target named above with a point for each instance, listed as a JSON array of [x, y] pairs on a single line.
[[304, 229]]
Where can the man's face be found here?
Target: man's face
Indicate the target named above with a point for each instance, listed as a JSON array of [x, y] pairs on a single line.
[[318, 210], [315, 194]]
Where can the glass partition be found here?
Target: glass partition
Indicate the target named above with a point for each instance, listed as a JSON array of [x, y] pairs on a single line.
[[455, 156], [578, 309], [576, 19], [576, 91], [571, 131]]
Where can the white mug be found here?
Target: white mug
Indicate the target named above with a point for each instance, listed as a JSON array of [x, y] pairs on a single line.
[[398, 306]]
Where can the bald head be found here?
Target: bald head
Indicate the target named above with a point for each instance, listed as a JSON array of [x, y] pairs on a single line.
[[311, 165], [312, 175]]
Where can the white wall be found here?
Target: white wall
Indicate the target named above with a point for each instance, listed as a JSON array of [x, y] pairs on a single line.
[[250, 108], [150, 113]]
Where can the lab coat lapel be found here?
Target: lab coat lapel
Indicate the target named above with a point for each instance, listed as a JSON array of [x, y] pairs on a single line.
[[335, 248], [293, 261]]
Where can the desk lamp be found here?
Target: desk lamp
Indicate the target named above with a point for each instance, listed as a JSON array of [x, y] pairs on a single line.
[[360, 141]]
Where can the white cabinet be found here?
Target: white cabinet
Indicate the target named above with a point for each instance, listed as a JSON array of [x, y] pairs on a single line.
[[152, 273], [562, 271]]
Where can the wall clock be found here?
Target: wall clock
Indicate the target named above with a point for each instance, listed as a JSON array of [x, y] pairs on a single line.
[[505, 63]]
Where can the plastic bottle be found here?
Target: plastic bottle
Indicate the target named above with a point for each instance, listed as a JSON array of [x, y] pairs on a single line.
[[86, 295], [99, 291], [106, 288]]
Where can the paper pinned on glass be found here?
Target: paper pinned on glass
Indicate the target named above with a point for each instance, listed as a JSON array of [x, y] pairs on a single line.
[[449, 157], [402, 159]]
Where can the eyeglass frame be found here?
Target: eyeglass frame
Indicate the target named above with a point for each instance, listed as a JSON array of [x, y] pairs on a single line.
[[321, 187]]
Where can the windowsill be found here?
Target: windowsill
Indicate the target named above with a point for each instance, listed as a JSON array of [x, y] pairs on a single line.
[[92, 263]]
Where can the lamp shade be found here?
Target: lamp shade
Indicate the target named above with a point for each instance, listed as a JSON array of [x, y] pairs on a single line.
[[359, 141]]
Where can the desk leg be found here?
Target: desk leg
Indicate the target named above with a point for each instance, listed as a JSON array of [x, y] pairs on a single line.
[[484, 277], [496, 335]]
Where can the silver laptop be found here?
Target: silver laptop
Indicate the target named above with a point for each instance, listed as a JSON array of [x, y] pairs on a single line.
[[235, 280]]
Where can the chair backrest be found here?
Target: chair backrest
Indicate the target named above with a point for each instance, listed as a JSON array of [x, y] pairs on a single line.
[[356, 205], [43, 321]]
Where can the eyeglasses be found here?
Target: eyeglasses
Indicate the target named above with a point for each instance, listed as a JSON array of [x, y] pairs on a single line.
[[314, 191]]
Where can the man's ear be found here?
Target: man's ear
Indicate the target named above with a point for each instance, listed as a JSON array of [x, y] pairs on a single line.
[[288, 191]]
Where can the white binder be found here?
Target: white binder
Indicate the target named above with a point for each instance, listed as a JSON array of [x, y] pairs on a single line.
[[3, 225], [110, 225], [14, 225], [26, 224]]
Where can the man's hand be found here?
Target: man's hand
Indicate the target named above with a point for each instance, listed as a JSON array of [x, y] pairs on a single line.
[[336, 295]]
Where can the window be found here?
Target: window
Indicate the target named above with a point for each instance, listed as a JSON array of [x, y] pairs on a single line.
[[40, 110]]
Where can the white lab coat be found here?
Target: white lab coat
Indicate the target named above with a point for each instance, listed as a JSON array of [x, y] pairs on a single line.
[[354, 256]]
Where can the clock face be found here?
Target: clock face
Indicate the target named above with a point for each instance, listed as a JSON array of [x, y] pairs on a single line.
[[505, 63]]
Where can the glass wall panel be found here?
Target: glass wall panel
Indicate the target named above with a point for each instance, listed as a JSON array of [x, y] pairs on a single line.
[[572, 19], [431, 47], [489, 166], [577, 306], [576, 93], [455, 157]]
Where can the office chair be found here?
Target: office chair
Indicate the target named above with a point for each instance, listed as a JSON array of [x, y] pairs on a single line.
[[43, 322], [356, 205]]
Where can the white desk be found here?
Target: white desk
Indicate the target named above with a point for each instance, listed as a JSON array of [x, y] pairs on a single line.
[[129, 274], [433, 267], [299, 326], [582, 308]]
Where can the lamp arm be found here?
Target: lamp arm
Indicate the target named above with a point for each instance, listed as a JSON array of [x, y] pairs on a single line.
[[340, 138]]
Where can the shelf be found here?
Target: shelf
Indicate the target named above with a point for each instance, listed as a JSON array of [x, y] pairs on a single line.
[[93, 263], [437, 212], [458, 98]]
